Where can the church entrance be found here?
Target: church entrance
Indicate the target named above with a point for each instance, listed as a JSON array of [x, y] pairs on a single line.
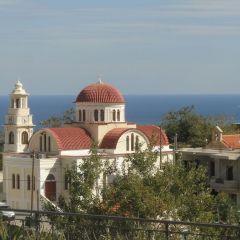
[[50, 187]]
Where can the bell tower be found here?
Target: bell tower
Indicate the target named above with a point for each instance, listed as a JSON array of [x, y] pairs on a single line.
[[18, 126]]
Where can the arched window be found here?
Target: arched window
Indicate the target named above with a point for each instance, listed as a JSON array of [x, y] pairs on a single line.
[[96, 115], [41, 143], [50, 187], [84, 115], [127, 143], [66, 182], [132, 142], [118, 115], [137, 143], [13, 181], [11, 138], [114, 115], [50, 178], [18, 181], [80, 115], [28, 182], [24, 137], [45, 142], [17, 103], [102, 115], [49, 143]]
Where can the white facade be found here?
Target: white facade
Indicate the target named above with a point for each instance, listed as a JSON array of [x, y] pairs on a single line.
[[221, 157], [56, 149], [18, 121]]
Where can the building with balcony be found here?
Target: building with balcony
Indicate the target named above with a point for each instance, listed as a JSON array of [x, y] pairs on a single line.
[[222, 159]]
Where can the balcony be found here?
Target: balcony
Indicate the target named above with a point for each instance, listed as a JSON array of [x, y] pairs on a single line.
[[220, 184]]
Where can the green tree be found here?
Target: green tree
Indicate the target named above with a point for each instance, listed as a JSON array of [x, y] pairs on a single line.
[[172, 193], [82, 178], [67, 117], [140, 190], [192, 128]]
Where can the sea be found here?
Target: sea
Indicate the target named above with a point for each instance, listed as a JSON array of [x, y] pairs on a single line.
[[142, 109]]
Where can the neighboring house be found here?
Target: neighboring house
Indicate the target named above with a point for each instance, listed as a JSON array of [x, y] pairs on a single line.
[[222, 158], [100, 118]]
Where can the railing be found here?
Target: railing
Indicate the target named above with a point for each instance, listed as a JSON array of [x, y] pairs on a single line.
[[73, 226], [222, 184]]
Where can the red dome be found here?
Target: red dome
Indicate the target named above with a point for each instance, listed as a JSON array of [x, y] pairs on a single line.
[[100, 93]]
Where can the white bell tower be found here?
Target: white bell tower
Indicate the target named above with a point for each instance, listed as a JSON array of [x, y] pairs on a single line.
[[18, 126]]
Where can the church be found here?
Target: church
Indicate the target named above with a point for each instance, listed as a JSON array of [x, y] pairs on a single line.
[[34, 163]]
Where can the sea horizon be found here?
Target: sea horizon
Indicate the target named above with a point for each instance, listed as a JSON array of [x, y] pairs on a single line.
[[140, 108]]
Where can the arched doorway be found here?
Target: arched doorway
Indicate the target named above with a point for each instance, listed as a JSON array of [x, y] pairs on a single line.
[[50, 187]]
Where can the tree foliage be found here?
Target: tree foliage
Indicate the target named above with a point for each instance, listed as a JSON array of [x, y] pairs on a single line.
[[67, 117], [193, 129], [143, 190], [172, 193]]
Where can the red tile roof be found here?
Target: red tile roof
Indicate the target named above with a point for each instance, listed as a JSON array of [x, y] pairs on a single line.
[[231, 141], [100, 93], [111, 138], [153, 134], [71, 138]]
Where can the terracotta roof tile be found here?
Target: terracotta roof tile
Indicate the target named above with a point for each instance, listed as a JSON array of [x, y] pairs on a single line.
[[71, 138], [100, 93], [111, 138], [231, 141], [153, 134]]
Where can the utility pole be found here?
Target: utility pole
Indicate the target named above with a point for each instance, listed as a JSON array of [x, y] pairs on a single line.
[[32, 187], [160, 152], [175, 147]]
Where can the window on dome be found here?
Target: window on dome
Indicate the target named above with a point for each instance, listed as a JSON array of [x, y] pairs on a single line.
[[127, 143], [80, 115], [84, 115], [13, 181], [11, 138], [114, 115], [96, 115], [118, 115], [132, 142], [24, 137], [102, 115]]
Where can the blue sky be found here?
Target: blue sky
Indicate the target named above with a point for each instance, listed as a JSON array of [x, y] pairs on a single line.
[[141, 47]]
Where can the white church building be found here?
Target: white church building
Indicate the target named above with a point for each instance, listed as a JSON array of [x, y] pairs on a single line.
[[100, 118]]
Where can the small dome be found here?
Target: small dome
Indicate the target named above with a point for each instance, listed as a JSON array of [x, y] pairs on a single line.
[[18, 89], [18, 85], [100, 93]]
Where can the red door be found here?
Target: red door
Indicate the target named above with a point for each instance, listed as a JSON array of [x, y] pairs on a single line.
[[50, 188]]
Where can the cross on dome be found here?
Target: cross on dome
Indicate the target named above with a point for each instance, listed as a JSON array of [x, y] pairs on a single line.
[[100, 79]]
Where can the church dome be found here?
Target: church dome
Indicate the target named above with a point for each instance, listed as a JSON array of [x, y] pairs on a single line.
[[100, 93]]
